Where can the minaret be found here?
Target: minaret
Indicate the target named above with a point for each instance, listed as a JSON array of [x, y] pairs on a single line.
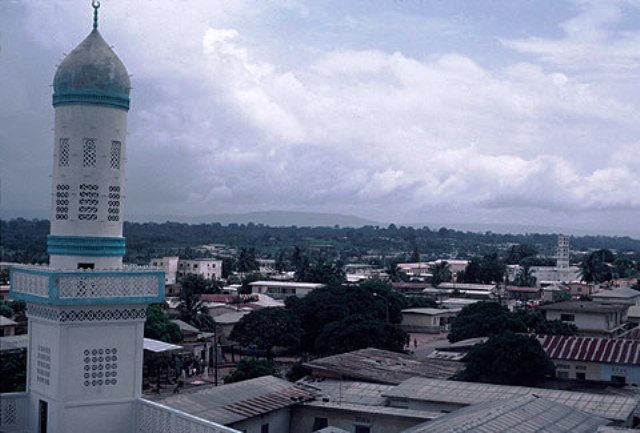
[[86, 310]]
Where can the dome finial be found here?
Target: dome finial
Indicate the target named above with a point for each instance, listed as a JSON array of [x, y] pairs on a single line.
[[96, 5]]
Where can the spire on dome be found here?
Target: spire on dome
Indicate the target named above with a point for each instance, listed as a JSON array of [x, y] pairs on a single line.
[[96, 5]]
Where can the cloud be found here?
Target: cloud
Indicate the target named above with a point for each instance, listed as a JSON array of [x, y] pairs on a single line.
[[221, 124]]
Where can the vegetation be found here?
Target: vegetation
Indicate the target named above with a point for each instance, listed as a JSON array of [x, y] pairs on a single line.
[[509, 359], [267, 328], [191, 307], [13, 370], [486, 319], [159, 327], [250, 368]]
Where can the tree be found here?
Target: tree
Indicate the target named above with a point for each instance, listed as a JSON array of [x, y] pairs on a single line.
[[246, 261], [13, 370], [395, 273], [6, 310], [483, 319], [624, 267], [593, 268], [281, 261], [199, 285], [356, 333], [486, 270], [159, 327], [440, 273], [509, 359], [535, 322], [192, 309], [525, 277], [516, 253], [250, 368], [267, 328]]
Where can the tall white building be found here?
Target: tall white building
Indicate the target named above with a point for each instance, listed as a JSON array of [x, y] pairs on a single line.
[[86, 310]]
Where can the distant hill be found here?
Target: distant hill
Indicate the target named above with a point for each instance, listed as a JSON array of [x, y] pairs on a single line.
[[270, 218]]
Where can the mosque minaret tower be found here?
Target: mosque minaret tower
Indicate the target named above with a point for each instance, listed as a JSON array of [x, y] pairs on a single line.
[[86, 309]]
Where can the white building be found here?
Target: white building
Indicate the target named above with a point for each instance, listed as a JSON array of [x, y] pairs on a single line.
[[283, 289], [209, 269], [169, 266], [562, 272]]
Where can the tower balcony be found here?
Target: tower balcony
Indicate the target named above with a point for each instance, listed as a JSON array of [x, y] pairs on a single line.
[[49, 286]]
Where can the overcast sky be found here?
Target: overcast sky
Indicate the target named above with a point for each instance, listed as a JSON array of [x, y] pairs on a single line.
[[405, 111]]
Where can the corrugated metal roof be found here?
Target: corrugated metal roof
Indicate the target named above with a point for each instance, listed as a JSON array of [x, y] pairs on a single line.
[[591, 349], [613, 407], [383, 366], [231, 403], [524, 414]]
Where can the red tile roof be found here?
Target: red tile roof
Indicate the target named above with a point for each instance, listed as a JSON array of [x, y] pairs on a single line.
[[591, 349]]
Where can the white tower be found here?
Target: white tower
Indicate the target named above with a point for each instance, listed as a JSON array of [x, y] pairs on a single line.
[[86, 310], [562, 253]]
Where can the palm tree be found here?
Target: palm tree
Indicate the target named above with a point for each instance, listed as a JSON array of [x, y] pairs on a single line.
[[440, 273], [247, 260]]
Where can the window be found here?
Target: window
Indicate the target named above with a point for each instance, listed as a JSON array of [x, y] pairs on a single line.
[[86, 265], [319, 423], [264, 428], [115, 154], [89, 153], [363, 429], [63, 153], [581, 367], [113, 210], [562, 374], [88, 203], [619, 380], [43, 416], [568, 317], [62, 202], [581, 376]]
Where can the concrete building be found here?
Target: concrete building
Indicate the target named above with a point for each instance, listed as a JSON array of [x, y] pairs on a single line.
[[169, 266], [591, 318], [175, 268], [428, 320], [620, 295], [283, 289], [596, 359]]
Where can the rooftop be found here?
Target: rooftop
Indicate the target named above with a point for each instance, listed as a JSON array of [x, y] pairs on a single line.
[[591, 349], [584, 306], [382, 366], [235, 402], [614, 407], [525, 414], [429, 311], [619, 293]]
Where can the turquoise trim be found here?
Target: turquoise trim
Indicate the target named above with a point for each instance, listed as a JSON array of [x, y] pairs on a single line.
[[53, 297], [113, 100], [85, 246]]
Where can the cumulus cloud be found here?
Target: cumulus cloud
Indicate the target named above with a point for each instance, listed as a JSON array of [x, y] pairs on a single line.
[[221, 124]]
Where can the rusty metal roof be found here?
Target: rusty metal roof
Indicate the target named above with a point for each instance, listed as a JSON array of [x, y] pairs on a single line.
[[591, 349]]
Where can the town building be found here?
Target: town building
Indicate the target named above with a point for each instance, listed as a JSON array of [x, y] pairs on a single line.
[[591, 318], [283, 289], [176, 268], [620, 295], [428, 320], [596, 359]]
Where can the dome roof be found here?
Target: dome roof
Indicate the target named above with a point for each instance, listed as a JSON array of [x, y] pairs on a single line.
[[92, 74]]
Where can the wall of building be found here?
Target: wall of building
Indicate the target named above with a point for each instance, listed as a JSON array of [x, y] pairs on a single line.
[[278, 421], [303, 418]]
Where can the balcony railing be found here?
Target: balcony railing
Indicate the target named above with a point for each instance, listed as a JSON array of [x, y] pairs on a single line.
[[14, 415], [131, 284], [152, 417]]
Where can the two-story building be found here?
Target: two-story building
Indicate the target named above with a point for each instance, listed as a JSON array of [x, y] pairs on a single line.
[[283, 289], [591, 318]]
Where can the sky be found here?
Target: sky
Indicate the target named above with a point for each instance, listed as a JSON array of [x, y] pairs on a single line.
[[522, 112]]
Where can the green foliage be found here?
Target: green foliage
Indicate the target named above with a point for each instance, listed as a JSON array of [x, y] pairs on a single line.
[[6, 310], [250, 368], [594, 267], [356, 315], [199, 285], [486, 270], [297, 372], [191, 308], [267, 328], [4, 276], [420, 302], [624, 267], [159, 327], [440, 273], [246, 261], [509, 359], [517, 253], [318, 269], [483, 319], [536, 323], [356, 333], [525, 278], [13, 370], [527, 262]]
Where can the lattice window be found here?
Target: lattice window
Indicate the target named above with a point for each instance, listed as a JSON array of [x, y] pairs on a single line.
[[62, 202], [113, 210], [107, 286], [8, 412], [116, 146], [100, 366], [89, 153], [31, 284], [88, 203], [63, 153], [102, 315], [43, 365]]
